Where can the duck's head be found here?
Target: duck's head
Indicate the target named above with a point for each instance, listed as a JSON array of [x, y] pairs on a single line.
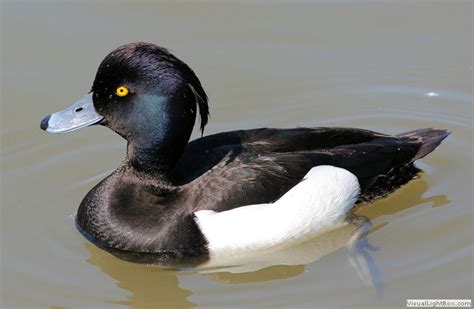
[[142, 92]]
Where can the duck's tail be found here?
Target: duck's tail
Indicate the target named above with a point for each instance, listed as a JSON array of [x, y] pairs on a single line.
[[399, 175], [429, 138]]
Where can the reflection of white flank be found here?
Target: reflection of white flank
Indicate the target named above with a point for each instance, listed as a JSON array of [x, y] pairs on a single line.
[[316, 205], [300, 254]]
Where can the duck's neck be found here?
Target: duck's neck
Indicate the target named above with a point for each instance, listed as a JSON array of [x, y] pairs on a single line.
[[150, 160], [160, 143]]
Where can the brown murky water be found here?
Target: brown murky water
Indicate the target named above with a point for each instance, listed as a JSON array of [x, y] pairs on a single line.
[[388, 66]]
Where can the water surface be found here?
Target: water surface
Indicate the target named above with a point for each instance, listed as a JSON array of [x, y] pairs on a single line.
[[388, 66]]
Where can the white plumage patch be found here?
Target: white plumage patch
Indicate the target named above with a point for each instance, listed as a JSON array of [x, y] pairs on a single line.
[[319, 203]]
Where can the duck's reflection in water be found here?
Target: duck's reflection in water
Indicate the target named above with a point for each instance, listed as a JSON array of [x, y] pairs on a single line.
[[150, 284]]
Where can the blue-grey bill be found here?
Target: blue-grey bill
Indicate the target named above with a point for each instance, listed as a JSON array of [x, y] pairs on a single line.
[[79, 115]]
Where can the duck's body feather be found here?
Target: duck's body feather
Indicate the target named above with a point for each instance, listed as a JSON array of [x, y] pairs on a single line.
[[317, 204], [257, 166], [144, 219]]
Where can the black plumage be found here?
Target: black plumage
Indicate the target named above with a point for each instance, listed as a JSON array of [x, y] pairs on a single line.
[[144, 210], [262, 160]]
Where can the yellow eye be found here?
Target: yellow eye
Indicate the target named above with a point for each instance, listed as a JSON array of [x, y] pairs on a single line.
[[121, 91]]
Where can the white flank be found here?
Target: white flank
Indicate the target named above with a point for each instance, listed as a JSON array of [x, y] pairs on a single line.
[[316, 205]]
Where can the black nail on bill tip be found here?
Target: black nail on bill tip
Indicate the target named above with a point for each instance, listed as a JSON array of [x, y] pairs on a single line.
[[44, 122]]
